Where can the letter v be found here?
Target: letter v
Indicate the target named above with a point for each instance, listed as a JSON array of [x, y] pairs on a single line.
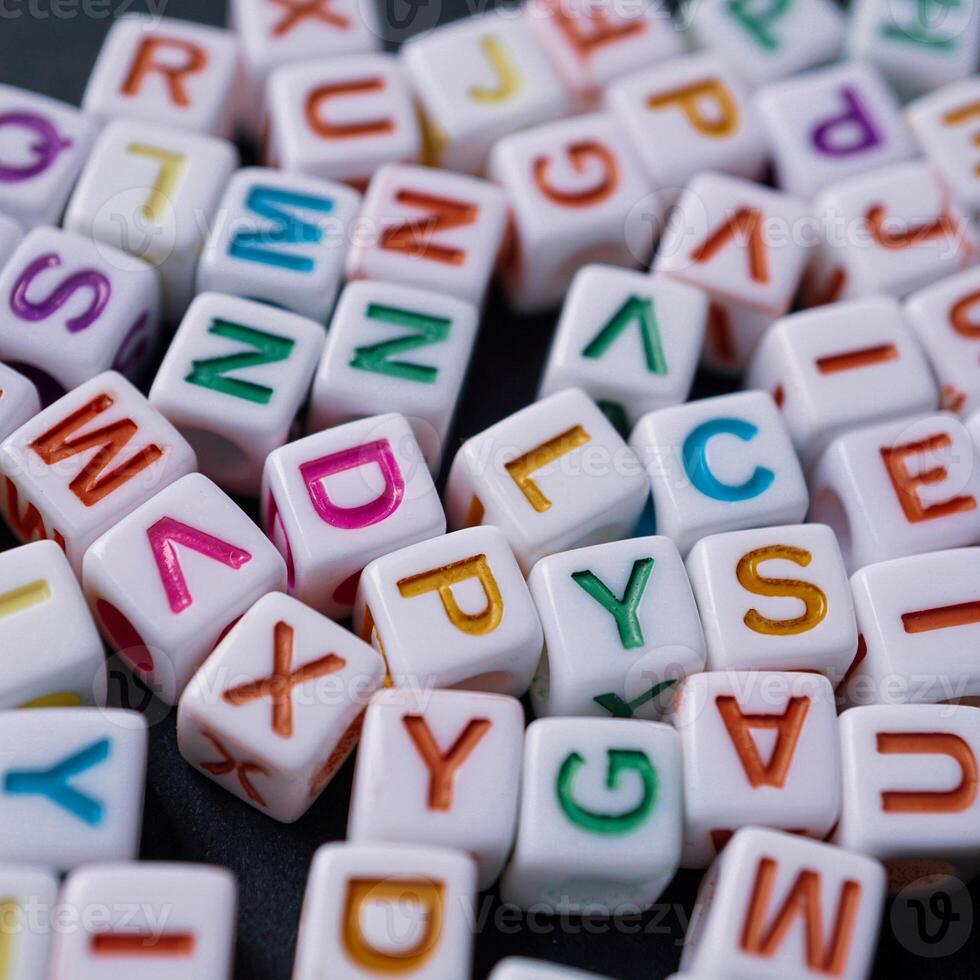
[[165, 535]]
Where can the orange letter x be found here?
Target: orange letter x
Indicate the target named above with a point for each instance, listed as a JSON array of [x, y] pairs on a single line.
[[280, 683], [228, 764], [300, 10]]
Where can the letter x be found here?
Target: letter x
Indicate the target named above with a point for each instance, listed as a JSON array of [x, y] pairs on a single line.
[[280, 683], [300, 10], [229, 764]]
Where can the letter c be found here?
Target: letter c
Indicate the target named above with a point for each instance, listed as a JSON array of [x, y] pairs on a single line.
[[699, 472]]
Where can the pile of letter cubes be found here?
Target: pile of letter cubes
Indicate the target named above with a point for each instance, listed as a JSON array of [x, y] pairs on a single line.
[[690, 593]]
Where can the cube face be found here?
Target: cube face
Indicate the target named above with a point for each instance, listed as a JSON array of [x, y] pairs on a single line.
[[386, 908], [73, 785], [772, 43], [720, 464], [276, 34], [169, 579], [909, 796], [516, 968], [842, 367], [77, 308], [370, 362], [159, 917], [764, 897], [275, 710], [899, 488], [54, 486], [943, 126], [592, 44], [851, 125], [429, 228], [30, 893], [43, 145], [478, 80], [735, 240], [153, 195], [42, 610], [452, 612], [334, 501], [630, 341], [906, 232], [775, 598], [19, 401], [687, 115], [232, 382], [281, 238], [342, 119], [621, 628], [727, 723], [574, 187], [600, 824], [943, 317], [554, 476], [916, 618], [441, 768], [916, 55]]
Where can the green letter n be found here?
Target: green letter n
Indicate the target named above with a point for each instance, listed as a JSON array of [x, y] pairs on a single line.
[[377, 357]]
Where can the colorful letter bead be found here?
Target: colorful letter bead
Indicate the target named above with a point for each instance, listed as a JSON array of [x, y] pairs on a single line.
[[916, 46], [341, 119], [899, 488], [276, 709], [19, 400], [30, 895], [153, 192], [378, 909], [75, 308], [553, 476], [281, 238], [918, 620], [283, 32], [946, 127], [720, 464], [478, 80], [169, 580], [841, 367], [440, 768], [168, 72], [71, 785], [429, 228], [574, 187], [893, 231], [515, 968], [392, 347], [600, 825], [336, 500], [687, 115], [232, 382], [831, 124], [43, 145], [946, 319], [772, 41], [152, 919], [761, 749], [452, 612], [910, 791], [740, 243], [776, 905], [85, 462], [621, 628], [775, 598], [56, 657], [631, 341], [592, 42]]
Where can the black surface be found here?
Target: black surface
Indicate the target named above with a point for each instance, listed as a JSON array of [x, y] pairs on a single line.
[[49, 46]]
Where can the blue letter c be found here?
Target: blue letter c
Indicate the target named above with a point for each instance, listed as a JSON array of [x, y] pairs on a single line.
[[699, 473]]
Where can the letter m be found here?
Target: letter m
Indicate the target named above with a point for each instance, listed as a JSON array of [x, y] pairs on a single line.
[[270, 245], [96, 480]]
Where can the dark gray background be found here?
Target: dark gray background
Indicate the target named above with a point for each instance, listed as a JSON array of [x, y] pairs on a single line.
[[49, 46]]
